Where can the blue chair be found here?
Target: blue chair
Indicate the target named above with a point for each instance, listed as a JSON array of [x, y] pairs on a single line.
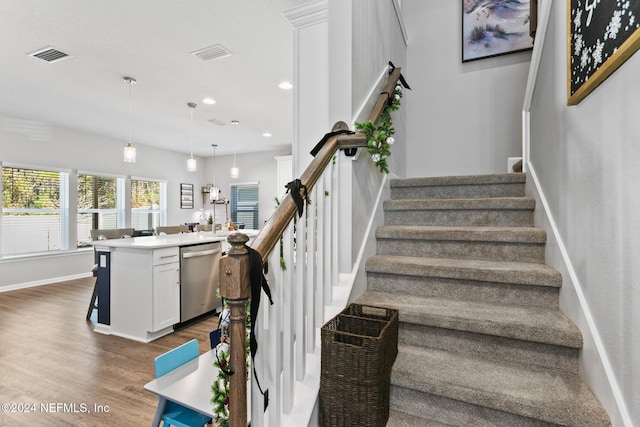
[[175, 414]]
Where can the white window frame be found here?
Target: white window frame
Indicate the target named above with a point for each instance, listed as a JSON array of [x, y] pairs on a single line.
[[62, 211], [120, 199], [162, 206]]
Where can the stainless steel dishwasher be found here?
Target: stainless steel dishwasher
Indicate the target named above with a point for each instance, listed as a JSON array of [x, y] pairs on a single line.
[[199, 279]]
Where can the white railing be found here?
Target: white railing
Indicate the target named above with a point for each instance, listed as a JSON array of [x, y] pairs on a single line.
[[287, 362], [288, 358]]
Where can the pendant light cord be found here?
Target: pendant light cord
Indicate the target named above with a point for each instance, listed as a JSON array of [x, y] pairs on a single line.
[[214, 164], [130, 84]]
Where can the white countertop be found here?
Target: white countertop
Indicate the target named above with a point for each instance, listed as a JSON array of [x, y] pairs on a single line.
[[169, 240]]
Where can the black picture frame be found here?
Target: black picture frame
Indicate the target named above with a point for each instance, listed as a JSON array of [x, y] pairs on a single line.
[[496, 28], [186, 196], [601, 36]]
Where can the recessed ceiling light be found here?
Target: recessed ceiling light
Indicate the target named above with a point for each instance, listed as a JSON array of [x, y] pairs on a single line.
[[209, 101], [266, 134], [285, 85]]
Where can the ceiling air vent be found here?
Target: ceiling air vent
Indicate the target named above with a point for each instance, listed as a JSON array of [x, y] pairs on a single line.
[[218, 122], [210, 53], [49, 54]]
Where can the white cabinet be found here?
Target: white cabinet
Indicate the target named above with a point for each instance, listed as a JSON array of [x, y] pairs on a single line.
[[165, 288], [166, 295]]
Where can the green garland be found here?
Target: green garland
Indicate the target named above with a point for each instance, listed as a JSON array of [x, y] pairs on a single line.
[[220, 386], [220, 389], [380, 136]]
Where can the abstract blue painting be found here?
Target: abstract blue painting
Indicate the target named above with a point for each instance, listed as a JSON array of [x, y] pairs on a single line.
[[494, 27]]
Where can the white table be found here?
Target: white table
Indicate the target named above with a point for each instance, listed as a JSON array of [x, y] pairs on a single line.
[[190, 386]]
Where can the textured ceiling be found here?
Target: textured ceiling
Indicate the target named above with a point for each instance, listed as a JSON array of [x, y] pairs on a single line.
[[152, 41]]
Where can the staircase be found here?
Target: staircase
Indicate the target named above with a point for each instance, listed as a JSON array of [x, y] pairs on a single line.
[[482, 340]]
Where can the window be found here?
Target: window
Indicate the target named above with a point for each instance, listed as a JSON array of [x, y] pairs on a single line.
[[244, 205], [35, 207], [99, 205], [148, 207]]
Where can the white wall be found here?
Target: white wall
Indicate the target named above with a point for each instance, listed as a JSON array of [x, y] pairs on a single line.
[[41, 145], [377, 39], [585, 158], [254, 167], [461, 118]]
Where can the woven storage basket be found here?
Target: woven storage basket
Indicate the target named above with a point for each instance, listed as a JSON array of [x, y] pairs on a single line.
[[359, 347], [379, 313]]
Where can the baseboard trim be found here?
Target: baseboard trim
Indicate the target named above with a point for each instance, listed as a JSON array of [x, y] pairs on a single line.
[[595, 366], [47, 281]]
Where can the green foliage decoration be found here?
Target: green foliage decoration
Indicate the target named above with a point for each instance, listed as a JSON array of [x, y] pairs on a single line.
[[380, 134], [220, 387]]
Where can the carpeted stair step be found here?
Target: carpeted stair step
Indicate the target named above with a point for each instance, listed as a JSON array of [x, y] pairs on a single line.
[[458, 187], [541, 325], [511, 283], [477, 212], [520, 244], [482, 339], [464, 390], [534, 336], [401, 419]]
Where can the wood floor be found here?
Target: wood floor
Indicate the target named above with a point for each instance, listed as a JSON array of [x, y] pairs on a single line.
[[50, 359]]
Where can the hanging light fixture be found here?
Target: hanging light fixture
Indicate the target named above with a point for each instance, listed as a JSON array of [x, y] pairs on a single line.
[[235, 172], [129, 150], [191, 162], [214, 192]]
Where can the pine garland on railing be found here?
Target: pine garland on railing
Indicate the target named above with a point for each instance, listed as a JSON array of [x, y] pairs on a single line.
[[220, 386], [380, 136]]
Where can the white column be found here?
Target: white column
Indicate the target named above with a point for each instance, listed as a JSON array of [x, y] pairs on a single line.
[[311, 79], [341, 108], [322, 94]]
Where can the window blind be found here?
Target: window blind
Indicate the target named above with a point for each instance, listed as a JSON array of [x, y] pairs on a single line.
[[34, 210], [98, 205], [244, 204], [146, 203]]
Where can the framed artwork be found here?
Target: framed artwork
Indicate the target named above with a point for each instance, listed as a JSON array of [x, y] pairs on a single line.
[[495, 27], [186, 196], [602, 34]]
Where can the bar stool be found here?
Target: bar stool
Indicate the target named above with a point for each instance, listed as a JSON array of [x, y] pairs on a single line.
[[105, 234]]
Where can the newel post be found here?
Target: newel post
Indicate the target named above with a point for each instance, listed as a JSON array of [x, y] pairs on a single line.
[[235, 288]]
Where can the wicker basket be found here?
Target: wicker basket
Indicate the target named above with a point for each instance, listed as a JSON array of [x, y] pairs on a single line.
[[359, 347]]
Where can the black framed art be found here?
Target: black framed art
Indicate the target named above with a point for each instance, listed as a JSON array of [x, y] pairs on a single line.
[[602, 34], [495, 27], [186, 196]]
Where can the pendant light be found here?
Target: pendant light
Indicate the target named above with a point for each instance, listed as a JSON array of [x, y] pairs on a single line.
[[214, 192], [191, 162], [129, 150], [235, 172]]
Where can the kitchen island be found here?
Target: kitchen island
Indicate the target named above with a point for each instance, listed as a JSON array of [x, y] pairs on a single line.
[[142, 281]]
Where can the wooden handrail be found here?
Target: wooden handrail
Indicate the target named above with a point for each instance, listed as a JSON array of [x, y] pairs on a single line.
[[275, 226], [384, 96]]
